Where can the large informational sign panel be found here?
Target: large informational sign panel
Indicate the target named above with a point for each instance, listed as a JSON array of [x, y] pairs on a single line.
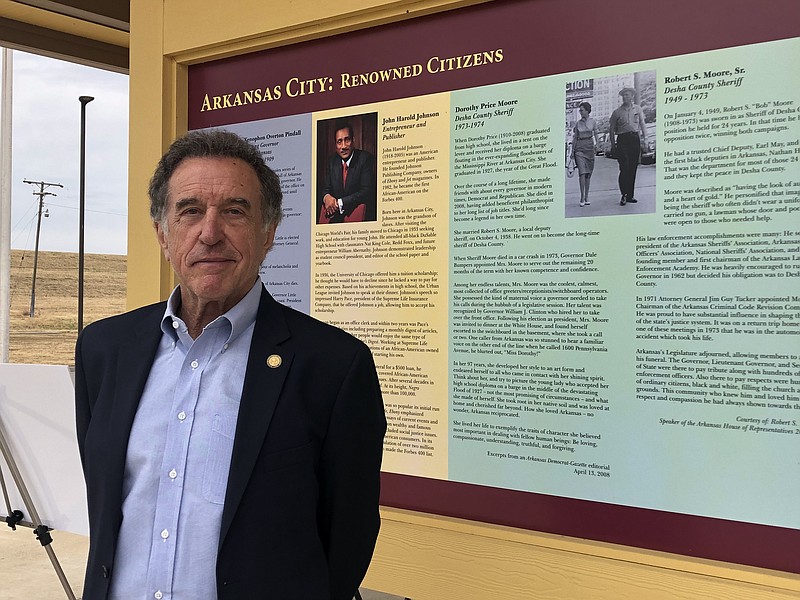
[[560, 348]]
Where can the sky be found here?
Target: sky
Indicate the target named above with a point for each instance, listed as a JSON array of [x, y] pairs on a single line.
[[46, 142]]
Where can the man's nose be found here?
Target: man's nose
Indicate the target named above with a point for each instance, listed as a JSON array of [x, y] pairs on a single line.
[[211, 231]]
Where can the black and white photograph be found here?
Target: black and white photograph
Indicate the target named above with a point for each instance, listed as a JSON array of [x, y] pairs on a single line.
[[610, 145]]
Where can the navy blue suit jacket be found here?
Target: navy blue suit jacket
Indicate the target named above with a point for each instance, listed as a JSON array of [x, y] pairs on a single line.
[[300, 517], [360, 187]]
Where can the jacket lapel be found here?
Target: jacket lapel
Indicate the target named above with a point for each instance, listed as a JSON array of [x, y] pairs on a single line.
[[134, 360], [132, 372], [262, 387], [352, 174]]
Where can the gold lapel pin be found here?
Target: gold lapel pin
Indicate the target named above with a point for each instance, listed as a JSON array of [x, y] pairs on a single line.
[[274, 361]]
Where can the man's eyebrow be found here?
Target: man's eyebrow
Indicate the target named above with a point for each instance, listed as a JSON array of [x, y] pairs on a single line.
[[184, 202], [243, 202], [191, 201]]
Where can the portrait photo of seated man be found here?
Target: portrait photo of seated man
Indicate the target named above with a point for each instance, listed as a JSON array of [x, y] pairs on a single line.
[[348, 185]]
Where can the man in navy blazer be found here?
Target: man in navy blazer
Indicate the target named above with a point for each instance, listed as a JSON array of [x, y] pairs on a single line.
[[231, 445], [348, 193]]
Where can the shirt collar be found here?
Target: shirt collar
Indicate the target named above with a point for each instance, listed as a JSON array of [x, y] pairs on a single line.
[[240, 316]]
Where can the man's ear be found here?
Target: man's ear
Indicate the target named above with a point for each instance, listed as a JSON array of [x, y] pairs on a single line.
[[269, 239], [162, 239]]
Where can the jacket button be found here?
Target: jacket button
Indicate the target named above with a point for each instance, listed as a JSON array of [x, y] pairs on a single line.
[[105, 571]]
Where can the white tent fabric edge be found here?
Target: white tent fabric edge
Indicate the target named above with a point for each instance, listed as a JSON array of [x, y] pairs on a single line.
[[5, 203]]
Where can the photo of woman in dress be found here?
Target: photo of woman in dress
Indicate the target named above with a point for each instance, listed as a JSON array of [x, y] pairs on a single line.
[[588, 133], [584, 145]]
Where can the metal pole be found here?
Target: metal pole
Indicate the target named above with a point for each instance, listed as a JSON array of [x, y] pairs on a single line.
[[84, 100], [41, 193], [5, 205], [36, 252]]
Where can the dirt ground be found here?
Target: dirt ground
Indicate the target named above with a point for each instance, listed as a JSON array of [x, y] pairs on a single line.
[[26, 572], [49, 337]]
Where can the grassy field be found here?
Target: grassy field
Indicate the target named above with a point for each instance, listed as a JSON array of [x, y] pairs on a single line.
[[49, 337]]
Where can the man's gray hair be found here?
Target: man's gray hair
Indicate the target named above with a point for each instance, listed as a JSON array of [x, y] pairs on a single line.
[[211, 144]]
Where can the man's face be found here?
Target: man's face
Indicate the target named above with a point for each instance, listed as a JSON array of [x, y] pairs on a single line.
[[627, 97], [213, 234], [344, 143]]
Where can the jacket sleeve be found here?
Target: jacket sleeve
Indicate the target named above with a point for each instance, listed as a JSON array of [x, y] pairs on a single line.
[[328, 186], [83, 412], [350, 477]]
